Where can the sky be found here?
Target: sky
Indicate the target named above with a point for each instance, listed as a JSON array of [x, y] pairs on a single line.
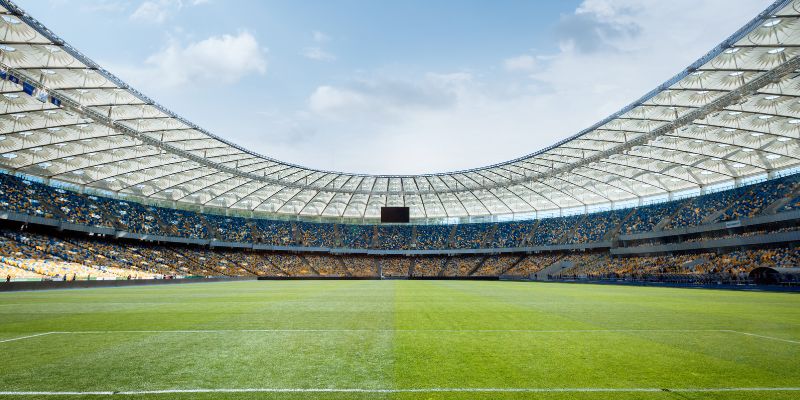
[[400, 87]]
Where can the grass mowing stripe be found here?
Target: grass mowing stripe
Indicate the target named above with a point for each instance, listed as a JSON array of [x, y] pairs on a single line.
[[447, 336], [409, 390]]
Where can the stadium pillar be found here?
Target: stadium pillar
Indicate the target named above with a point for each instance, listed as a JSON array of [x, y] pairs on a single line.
[[737, 182], [771, 174], [703, 190], [670, 196]]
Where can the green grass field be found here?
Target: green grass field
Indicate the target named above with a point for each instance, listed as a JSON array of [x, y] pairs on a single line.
[[399, 340]]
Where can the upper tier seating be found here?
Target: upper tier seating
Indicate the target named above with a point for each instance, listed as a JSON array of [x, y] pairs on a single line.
[[37, 199]]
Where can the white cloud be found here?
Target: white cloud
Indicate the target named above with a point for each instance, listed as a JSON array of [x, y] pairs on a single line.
[[382, 98], [398, 120], [226, 58], [320, 37], [524, 63], [100, 6], [329, 100], [611, 53], [317, 54], [158, 11], [601, 25]]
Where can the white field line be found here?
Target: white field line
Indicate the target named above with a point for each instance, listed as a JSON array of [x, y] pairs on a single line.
[[766, 337], [26, 337], [410, 390], [395, 330], [192, 331]]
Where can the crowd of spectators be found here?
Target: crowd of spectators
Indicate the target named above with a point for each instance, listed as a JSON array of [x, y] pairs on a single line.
[[316, 234], [743, 234], [758, 197], [26, 197], [395, 237], [729, 267], [596, 227], [645, 218], [531, 264], [276, 233], [471, 236], [552, 230], [793, 202], [511, 234], [712, 235], [432, 237], [228, 229], [695, 211], [396, 266], [289, 264], [10, 272], [357, 236], [461, 266], [38, 199], [29, 255], [497, 265], [430, 266], [48, 257]]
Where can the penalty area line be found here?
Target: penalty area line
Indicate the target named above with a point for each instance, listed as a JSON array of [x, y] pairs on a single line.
[[408, 390]]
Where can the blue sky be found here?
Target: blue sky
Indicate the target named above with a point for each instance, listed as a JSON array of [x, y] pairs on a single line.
[[442, 85]]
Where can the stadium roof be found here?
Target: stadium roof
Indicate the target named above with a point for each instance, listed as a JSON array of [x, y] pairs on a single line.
[[734, 113]]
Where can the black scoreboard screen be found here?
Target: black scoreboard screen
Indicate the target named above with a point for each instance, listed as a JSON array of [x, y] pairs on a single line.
[[395, 215]]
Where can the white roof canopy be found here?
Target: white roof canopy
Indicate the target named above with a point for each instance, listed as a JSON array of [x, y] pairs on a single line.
[[734, 113]]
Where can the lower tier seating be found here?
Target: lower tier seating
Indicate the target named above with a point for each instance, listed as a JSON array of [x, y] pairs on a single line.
[[27, 255]]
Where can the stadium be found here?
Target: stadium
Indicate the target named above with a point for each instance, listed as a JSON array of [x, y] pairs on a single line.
[[653, 255]]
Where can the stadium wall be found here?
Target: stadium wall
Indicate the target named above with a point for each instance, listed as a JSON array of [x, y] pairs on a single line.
[[721, 286], [49, 285]]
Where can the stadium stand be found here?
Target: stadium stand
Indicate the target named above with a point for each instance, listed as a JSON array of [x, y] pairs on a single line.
[[26, 255], [36, 199], [36, 255], [41, 255]]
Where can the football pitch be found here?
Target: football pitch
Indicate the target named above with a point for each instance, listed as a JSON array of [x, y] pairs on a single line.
[[399, 340]]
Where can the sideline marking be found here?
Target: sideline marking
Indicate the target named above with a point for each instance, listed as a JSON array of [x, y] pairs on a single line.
[[765, 337], [27, 337], [410, 390], [399, 330]]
